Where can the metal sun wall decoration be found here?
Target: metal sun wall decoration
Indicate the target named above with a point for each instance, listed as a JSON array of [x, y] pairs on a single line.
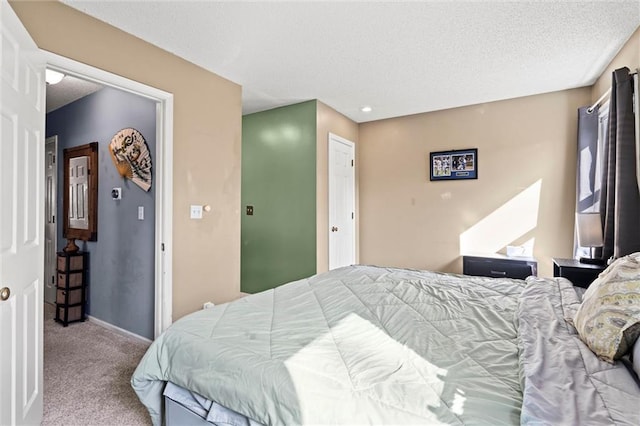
[[131, 156]]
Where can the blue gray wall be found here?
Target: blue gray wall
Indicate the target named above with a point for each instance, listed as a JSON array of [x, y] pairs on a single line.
[[121, 271]]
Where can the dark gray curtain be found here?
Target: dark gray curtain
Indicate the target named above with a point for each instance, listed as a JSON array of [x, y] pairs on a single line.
[[620, 197]]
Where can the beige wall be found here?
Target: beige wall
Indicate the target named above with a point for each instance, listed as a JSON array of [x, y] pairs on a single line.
[[629, 56], [328, 121], [207, 142], [525, 187], [405, 220]]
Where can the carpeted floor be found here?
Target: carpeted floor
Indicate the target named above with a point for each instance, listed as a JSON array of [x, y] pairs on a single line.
[[87, 369]]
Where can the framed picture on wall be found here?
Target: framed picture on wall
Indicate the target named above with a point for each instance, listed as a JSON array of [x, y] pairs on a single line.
[[454, 165]]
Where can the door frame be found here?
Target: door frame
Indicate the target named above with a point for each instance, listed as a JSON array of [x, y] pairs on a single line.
[[163, 168], [333, 139]]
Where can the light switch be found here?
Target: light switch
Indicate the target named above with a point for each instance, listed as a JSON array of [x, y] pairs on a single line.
[[196, 212], [140, 212]]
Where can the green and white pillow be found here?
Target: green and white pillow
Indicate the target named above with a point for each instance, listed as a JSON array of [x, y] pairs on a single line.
[[608, 320]]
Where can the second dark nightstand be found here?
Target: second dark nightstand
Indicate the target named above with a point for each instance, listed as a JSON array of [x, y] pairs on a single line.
[[499, 266], [580, 274]]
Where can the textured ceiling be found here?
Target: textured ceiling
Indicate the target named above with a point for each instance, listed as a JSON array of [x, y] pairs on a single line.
[[398, 57], [68, 90]]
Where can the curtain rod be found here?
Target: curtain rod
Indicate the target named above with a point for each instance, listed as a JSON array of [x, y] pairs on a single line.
[[604, 95], [597, 103]]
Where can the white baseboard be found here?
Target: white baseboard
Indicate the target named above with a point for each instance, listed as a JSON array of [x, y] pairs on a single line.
[[116, 329]]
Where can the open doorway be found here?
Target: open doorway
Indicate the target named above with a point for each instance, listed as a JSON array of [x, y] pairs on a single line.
[[118, 281], [162, 174], [133, 245], [115, 279], [61, 90]]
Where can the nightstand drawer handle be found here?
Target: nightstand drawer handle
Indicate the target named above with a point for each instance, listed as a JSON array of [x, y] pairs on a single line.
[[499, 272]]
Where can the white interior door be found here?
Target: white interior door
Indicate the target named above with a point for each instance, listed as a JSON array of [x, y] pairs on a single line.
[[21, 222], [342, 205], [50, 229]]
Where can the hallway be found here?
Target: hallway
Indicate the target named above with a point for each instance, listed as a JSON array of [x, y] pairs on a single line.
[[87, 369]]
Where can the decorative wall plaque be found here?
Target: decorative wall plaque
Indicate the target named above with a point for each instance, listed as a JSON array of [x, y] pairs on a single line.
[[131, 156]]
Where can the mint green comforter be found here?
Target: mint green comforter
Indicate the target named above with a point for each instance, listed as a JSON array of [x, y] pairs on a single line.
[[360, 344]]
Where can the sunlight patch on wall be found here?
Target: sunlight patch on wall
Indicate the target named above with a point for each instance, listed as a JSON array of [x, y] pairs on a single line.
[[505, 225], [528, 247]]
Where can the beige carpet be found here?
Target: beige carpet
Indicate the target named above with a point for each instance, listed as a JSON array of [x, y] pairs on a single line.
[[87, 369]]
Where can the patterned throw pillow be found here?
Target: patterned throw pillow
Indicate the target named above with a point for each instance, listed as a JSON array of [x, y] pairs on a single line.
[[608, 319]]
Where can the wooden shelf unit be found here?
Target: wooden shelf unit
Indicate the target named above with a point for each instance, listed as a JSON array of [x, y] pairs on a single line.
[[71, 287]]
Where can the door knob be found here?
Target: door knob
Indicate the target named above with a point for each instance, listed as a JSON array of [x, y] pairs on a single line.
[[5, 293]]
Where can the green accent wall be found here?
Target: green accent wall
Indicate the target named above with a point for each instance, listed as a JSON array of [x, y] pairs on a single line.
[[279, 181]]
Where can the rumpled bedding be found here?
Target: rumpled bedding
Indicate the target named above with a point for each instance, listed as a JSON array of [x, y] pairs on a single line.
[[365, 344], [563, 382]]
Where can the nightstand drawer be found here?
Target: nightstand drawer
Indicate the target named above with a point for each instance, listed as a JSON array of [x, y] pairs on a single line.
[[498, 267], [75, 296]]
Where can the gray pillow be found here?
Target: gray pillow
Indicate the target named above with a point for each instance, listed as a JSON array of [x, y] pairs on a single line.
[[635, 355]]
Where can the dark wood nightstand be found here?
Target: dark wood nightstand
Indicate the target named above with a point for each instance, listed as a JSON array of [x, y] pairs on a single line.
[[499, 266], [580, 274]]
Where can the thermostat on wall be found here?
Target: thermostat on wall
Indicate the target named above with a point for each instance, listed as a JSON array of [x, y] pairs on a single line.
[[116, 194]]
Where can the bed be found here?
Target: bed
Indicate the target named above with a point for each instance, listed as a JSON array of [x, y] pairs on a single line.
[[367, 344]]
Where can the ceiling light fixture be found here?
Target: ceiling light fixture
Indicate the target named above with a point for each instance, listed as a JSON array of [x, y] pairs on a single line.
[[53, 77], [365, 109]]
